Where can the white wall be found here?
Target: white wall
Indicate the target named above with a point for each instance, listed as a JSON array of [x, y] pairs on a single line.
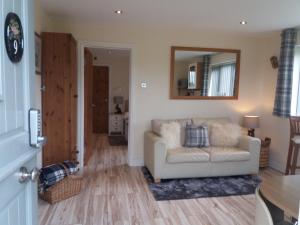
[[272, 126], [152, 65], [118, 75], [276, 128], [257, 79]]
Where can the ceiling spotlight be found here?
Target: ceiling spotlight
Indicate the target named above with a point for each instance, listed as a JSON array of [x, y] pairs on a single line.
[[119, 11], [243, 22]]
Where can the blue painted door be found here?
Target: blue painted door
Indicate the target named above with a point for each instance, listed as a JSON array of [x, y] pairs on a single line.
[[18, 201]]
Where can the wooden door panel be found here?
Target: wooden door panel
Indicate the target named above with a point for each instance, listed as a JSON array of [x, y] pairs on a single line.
[[73, 98], [88, 113], [55, 103], [59, 100], [100, 99]]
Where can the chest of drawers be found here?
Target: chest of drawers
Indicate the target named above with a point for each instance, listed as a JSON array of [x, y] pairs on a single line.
[[116, 124]]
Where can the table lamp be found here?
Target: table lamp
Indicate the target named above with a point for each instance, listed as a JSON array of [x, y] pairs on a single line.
[[118, 100], [251, 122]]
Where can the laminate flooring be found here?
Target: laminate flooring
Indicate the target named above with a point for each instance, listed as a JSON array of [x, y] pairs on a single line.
[[116, 194]]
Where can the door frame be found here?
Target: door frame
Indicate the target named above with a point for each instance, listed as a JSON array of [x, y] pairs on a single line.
[[80, 130]]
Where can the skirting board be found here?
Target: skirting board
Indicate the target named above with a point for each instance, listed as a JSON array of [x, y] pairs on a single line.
[[136, 162], [277, 166]]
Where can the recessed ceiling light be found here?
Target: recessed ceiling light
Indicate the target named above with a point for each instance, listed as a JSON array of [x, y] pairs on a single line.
[[243, 22], [119, 11]]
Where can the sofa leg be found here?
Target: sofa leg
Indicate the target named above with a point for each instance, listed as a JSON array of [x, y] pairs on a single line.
[[157, 181]]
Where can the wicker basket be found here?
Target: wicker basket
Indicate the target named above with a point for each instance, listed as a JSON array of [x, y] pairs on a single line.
[[66, 188], [264, 153]]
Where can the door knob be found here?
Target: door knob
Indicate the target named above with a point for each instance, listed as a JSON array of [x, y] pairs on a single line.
[[93, 105], [25, 176]]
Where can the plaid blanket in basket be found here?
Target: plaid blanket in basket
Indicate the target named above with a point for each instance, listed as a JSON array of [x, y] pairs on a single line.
[[52, 174]]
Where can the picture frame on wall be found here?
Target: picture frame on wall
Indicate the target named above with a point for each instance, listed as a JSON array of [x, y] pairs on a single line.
[[38, 54]]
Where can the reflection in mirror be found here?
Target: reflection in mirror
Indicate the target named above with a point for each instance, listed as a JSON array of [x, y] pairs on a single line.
[[204, 73]]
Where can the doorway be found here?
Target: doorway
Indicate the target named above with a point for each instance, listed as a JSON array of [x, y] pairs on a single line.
[[106, 95]]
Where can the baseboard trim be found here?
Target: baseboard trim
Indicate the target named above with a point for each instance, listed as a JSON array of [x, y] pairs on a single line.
[[277, 166], [136, 162]]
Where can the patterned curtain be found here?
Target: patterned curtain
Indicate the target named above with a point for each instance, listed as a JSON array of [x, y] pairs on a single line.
[[206, 63], [283, 96]]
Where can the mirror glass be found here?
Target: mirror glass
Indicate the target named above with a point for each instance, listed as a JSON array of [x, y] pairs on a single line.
[[204, 73]]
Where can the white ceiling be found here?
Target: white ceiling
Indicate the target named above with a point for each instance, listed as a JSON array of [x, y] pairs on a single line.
[[262, 15]]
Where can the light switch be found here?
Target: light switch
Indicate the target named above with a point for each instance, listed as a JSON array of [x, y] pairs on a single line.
[[143, 84]]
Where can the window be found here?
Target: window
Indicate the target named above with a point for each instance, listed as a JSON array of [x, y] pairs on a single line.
[[295, 104], [221, 82], [192, 78]]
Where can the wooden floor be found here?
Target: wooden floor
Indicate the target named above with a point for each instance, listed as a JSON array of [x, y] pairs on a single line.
[[115, 193]]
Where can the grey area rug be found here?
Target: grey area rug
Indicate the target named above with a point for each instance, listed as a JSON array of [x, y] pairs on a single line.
[[117, 140], [174, 189]]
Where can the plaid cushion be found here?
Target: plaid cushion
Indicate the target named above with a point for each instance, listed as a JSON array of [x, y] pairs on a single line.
[[52, 174], [196, 136]]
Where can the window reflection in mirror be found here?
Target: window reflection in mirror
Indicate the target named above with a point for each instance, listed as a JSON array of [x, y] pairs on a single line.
[[204, 73]]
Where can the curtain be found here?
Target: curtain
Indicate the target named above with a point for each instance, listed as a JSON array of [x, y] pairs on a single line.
[[206, 64], [214, 82], [283, 95], [227, 77], [222, 79]]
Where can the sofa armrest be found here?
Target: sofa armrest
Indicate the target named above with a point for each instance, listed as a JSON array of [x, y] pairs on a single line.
[[253, 145], [155, 153]]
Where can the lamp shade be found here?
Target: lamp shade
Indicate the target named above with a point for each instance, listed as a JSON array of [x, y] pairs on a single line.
[[251, 122], [118, 99]]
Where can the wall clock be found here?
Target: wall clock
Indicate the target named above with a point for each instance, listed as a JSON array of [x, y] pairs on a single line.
[[13, 36]]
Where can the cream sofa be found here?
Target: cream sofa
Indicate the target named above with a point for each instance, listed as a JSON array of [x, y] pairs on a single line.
[[212, 161]]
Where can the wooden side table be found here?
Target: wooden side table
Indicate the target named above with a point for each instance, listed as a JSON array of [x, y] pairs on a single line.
[[264, 152]]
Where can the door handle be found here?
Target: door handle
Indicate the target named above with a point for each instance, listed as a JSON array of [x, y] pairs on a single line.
[[93, 105], [25, 176]]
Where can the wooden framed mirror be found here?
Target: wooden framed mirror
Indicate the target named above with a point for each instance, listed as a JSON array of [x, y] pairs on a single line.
[[204, 73]]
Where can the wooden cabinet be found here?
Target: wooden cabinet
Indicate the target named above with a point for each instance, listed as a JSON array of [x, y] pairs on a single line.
[[59, 98]]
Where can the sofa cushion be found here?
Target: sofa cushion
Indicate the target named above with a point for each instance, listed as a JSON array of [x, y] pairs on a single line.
[[196, 136], [170, 132], [156, 127], [187, 155], [225, 135], [228, 154]]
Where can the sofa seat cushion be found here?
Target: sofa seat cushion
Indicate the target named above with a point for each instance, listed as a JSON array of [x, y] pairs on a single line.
[[187, 155], [228, 154]]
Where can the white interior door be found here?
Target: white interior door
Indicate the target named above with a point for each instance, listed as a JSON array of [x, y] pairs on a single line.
[[18, 201]]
